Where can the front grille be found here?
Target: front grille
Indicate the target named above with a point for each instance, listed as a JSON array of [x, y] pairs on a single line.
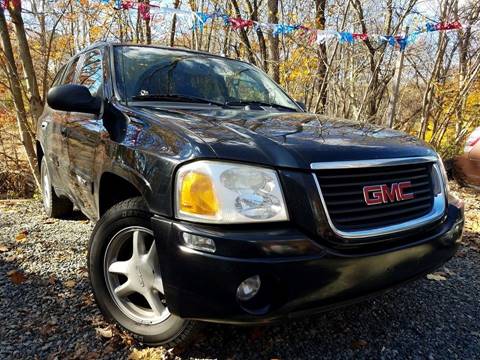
[[342, 191]]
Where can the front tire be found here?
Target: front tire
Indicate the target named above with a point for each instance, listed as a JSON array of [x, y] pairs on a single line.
[[126, 279], [54, 206]]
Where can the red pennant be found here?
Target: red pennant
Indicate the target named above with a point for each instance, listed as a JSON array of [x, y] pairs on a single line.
[[144, 11], [239, 23], [13, 4], [448, 26], [127, 4], [360, 36]]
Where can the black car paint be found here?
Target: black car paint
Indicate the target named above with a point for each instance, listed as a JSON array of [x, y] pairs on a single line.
[[145, 143]]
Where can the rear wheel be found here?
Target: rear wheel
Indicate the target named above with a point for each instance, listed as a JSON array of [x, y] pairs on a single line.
[[54, 206], [126, 278]]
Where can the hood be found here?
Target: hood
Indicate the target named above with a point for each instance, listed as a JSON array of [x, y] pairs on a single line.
[[289, 139]]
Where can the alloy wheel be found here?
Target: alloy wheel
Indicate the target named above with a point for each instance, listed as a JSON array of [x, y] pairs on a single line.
[[132, 274]]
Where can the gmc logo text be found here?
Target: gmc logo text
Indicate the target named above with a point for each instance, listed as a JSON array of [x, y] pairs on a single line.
[[382, 194]]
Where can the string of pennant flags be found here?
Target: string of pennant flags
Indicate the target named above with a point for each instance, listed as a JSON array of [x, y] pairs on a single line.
[[314, 36]]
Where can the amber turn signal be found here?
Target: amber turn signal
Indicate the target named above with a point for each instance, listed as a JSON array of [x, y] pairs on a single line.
[[197, 195]]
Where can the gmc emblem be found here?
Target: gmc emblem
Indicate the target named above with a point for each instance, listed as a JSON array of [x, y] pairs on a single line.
[[382, 194]]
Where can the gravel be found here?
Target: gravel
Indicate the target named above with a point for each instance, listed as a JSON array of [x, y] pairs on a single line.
[[47, 309]]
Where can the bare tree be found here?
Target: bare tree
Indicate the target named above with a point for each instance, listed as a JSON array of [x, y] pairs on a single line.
[[26, 136], [274, 41]]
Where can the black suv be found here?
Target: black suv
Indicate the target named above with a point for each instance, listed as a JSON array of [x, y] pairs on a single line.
[[218, 198]]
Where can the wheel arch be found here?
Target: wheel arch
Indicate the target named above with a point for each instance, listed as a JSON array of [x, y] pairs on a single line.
[[114, 187]]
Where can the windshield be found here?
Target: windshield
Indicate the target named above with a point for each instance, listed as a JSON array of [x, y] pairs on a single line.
[[147, 73]]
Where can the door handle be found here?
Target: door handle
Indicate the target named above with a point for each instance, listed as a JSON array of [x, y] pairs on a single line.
[[44, 124]]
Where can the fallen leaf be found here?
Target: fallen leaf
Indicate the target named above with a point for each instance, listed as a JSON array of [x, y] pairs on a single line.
[[17, 277], [436, 277], [104, 332], [127, 339], [53, 356], [110, 348], [80, 351], [83, 271], [91, 356], [87, 300], [47, 330], [21, 236], [70, 283], [3, 248], [359, 344], [11, 258], [462, 253]]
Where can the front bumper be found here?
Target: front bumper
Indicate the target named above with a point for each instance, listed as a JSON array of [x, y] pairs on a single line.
[[299, 275]]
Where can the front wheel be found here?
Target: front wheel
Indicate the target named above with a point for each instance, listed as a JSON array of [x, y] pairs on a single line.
[[125, 275]]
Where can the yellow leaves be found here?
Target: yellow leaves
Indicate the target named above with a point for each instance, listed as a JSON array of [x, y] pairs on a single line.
[[70, 283], [149, 354], [96, 33], [299, 67], [21, 236]]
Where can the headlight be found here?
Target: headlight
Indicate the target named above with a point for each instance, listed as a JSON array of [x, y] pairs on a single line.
[[220, 192]]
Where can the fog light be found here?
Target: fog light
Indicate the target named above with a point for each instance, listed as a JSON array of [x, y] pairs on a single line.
[[199, 242], [248, 288]]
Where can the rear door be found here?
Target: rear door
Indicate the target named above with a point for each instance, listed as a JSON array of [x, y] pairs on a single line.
[[83, 135]]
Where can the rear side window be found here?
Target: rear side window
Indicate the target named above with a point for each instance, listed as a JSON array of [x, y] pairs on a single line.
[[70, 74], [91, 74]]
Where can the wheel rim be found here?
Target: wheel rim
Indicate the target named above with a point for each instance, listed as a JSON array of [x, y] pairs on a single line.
[[47, 189], [133, 278]]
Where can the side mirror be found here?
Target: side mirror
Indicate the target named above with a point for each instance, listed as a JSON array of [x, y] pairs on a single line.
[[302, 105], [74, 98]]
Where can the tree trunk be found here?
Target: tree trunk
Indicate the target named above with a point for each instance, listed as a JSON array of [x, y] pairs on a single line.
[[243, 35], [321, 80], [35, 100], [15, 86], [148, 27], [261, 38], [274, 41], [176, 5]]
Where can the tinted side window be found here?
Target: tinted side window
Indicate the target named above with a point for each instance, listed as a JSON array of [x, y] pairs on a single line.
[[91, 74], [70, 74]]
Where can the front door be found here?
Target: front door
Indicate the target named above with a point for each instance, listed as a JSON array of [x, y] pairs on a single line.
[[52, 125], [83, 136]]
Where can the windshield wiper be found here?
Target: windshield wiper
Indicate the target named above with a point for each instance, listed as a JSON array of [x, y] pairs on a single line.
[[259, 103], [176, 97]]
